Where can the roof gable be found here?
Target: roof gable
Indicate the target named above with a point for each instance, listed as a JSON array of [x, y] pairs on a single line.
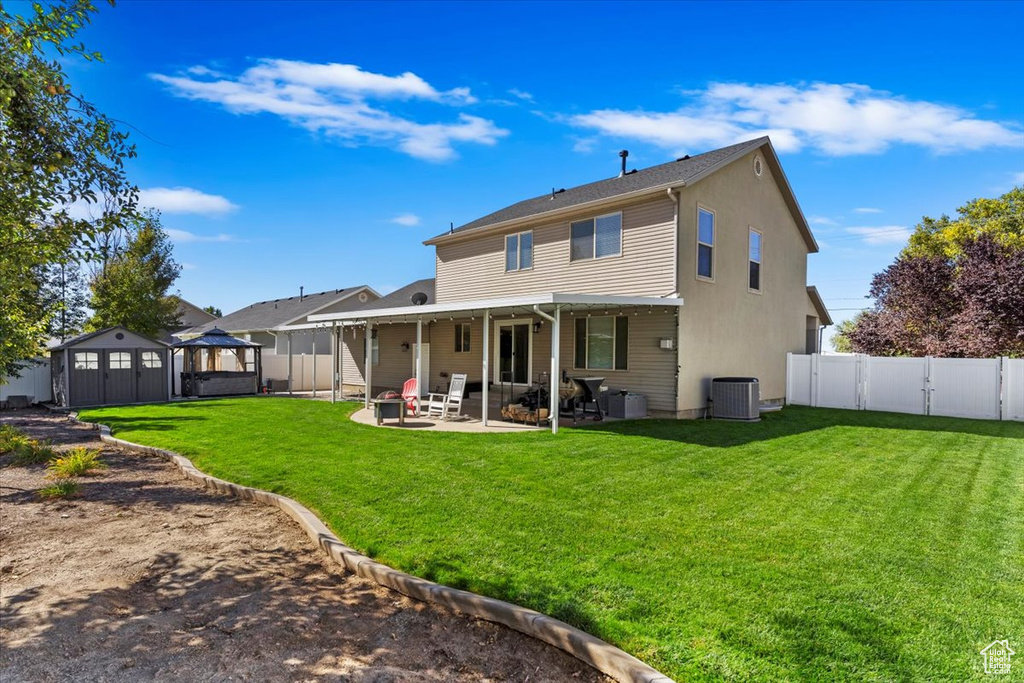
[[89, 336]]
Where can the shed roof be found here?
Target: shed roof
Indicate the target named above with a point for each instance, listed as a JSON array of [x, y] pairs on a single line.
[[266, 315], [75, 341]]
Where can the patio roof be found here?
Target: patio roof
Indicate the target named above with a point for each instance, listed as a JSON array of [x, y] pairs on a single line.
[[547, 300]]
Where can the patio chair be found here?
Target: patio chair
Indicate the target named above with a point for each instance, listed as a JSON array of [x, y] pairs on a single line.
[[411, 394], [448, 405]]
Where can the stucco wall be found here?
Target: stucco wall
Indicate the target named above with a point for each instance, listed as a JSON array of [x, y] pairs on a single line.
[[724, 328]]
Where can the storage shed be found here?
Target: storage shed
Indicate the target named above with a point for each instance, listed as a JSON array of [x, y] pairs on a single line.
[[108, 367]]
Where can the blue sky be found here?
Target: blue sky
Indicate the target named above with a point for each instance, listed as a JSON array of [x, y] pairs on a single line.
[[318, 144]]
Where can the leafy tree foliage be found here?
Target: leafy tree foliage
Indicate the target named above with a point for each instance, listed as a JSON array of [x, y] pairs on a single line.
[[841, 339], [63, 293], [213, 310], [56, 149], [956, 290], [133, 289]]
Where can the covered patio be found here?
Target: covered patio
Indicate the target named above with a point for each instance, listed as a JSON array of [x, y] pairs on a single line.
[[637, 353]]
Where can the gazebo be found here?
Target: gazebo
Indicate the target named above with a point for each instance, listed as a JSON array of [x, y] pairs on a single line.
[[213, 380]]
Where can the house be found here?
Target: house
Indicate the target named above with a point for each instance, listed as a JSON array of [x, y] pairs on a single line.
[[259, 322], [656, 280], [189, 316]]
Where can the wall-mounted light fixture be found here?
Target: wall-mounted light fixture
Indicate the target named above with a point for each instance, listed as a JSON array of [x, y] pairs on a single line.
[[536, 327], [405, 346]]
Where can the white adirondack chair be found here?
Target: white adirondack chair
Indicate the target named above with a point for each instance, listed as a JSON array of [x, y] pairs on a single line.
[[448, 405]]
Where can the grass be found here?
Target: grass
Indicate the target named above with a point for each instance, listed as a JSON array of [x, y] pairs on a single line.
[[814, 545], [11, 439], [65, 488], [77, 462]]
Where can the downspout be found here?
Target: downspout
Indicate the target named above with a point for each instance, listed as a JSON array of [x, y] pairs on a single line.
[[674, 197], [553, 377]]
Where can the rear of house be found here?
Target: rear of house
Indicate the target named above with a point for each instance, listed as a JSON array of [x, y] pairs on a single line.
[[657, 280]]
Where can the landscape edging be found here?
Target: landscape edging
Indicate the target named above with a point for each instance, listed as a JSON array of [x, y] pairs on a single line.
[[590, 649]]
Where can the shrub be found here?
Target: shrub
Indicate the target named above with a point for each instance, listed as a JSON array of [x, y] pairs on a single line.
[[31, 452], [11, 439], [65, 488], [76, 463]]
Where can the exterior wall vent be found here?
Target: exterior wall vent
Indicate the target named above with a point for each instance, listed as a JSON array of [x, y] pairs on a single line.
[[736, 398], [758, 166]]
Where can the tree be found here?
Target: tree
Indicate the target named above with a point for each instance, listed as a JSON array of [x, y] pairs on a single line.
[[841, 339], [213, 310], [957, 289], [133, 289], [63, 293], [56, 149]]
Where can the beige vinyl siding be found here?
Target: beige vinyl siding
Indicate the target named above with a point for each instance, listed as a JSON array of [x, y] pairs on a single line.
[[725, 329], [394, 362], [475, 268], [444, 359]]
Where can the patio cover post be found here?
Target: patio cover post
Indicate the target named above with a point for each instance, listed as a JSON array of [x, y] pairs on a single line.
[[341, 360], [334, 362], [556, 333], [419, 362], [289, 363], [369, 364], [314, 363], [486, 353]]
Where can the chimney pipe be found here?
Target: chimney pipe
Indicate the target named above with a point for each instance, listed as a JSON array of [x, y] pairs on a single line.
[[624, 153], [301, 296]]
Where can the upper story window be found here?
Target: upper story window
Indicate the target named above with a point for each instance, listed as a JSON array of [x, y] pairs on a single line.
[[705, 244], [519, 251], [462, 337], [754, 258], [596, 237], [601, 343]]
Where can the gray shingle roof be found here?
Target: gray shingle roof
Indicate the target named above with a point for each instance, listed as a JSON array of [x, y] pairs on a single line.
[[403, 296], [673, 172], [266, 315]]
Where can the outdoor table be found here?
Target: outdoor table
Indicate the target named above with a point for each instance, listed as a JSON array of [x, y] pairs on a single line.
[[389, 407]]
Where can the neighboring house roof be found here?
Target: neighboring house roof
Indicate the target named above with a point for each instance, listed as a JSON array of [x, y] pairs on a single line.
[[819, 305], [192, 315], [75, 341], [685, 171], [266, 315], [403, 296]]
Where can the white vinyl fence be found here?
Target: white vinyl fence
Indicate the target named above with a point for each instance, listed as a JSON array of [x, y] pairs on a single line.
[[34, 382], [982, 388], [275, 366]]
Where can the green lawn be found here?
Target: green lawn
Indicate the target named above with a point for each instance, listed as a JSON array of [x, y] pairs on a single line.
[[816, 544]]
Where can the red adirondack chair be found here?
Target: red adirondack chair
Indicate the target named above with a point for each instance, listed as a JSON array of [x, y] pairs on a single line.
[[411, 394]]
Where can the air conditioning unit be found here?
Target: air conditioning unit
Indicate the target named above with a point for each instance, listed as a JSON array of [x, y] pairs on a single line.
[[736, 398], [277, 385]]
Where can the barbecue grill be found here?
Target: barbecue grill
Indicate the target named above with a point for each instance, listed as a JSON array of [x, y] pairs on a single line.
[[583, 392]]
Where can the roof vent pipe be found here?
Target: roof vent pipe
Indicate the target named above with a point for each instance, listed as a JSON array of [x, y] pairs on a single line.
[[301, 295], [624, 153]]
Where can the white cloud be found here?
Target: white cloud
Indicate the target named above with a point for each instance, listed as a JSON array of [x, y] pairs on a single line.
[[867, 209], [1017, 178], [833, 119], [821, 220], [888, 234], [185, 236], [584, 145], [184, 200], [407, 219], [334, 99], [521, 94]]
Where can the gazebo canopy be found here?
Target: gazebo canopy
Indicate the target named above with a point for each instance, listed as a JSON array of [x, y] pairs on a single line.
[[215, 338]]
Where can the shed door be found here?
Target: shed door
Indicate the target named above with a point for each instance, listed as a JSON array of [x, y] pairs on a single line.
[[120, 376], [86, 378], [152, 375]]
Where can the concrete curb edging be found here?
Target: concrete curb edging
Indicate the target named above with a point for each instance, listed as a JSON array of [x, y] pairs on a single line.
[[603, 656]]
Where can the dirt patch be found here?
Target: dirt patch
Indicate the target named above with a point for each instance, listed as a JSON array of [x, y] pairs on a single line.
[[147, 576]]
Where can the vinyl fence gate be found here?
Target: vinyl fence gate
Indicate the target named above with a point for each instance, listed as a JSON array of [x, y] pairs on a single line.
[[980, 388]]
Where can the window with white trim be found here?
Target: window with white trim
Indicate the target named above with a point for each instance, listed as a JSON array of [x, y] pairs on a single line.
[[462, 337], [705, 244], [754, 257], [601, 343], [596, 237], [87, 360], [152, 359], [119, 360], [519, 251]]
